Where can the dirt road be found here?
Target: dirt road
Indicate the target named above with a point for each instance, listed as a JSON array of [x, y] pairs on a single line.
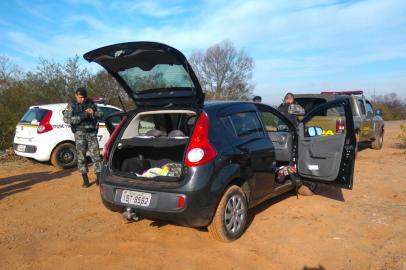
[[48, 221]]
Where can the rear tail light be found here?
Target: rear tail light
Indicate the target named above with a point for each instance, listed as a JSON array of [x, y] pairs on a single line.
[[113, 136], [181, 201], [340, 126], [44, 125], [200, 151]]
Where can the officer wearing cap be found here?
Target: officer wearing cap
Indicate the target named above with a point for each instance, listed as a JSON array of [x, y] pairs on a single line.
[[82, 115], [257, 99]]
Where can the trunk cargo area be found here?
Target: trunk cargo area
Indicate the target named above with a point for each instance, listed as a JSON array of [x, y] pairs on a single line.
[[153, 145]]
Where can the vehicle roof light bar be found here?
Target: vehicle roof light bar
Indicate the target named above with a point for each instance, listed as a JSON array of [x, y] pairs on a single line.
[[355, 92], [99, 100]]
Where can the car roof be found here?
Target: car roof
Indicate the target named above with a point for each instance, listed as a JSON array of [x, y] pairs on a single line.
[[216, 104]]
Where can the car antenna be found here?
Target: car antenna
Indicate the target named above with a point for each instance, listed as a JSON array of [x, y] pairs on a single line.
[[122, 104]]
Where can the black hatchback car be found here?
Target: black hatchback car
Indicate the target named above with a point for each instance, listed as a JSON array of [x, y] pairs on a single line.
[[178, 159]]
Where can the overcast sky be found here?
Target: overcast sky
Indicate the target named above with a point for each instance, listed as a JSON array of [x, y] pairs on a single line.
[[299, 46]]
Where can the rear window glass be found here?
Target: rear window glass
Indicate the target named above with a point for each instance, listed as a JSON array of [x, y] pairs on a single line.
[[244, 124], [160, 76], [33, 116], [309, 103]]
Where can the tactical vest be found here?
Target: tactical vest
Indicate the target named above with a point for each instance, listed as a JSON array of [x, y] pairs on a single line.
[[87, 125]]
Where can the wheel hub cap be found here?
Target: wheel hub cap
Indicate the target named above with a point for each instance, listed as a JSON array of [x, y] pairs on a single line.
[[234, 214]]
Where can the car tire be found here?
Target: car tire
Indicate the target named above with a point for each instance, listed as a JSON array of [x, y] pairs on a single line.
[[64, 156], [377, 144], [230, 218]]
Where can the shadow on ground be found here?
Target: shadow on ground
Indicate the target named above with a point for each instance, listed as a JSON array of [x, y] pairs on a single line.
[[363, 146], [19, 183], [320, 267], [331, 192]]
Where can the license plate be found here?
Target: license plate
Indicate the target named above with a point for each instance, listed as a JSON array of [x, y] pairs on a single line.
[[136, 198], [21, 148]]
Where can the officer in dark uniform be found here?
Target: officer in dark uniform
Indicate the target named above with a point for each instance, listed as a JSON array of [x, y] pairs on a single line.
[[257, 99], [82, 114], [290, 109]]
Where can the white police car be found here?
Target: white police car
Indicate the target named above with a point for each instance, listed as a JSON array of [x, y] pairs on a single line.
[[42, 134]]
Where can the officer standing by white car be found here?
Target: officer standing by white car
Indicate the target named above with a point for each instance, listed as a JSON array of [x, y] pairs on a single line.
[[83, 115]]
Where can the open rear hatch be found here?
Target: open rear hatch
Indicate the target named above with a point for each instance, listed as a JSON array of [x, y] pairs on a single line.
[[152, 74]]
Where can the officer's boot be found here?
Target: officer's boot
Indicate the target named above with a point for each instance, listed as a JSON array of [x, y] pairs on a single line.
[[97, 178], [85, 180]]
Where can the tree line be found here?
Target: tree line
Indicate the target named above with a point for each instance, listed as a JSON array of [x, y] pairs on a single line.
[[224, 72], [392, 106]]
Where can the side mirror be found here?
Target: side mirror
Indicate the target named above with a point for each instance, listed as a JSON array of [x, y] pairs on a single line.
[[378, 112], [314, 131]]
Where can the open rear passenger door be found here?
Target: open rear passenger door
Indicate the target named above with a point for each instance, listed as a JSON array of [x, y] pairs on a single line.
[[326, 145]]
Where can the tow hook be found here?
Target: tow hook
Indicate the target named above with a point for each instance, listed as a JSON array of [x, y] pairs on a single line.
[[130, 215]]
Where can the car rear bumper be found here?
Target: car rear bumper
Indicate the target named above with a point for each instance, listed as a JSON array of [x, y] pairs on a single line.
[[43, 144], [164, 206], [197, 211], [31, 151]]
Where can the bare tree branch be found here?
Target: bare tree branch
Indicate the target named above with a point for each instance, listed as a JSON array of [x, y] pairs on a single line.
[[224, 72]]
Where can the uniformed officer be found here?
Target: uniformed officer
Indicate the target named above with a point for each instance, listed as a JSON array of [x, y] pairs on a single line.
[[257, 99], [290, 109], [82, 114]]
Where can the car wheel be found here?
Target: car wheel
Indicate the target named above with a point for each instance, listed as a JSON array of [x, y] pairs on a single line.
[[64, 156], [378, 142], [230, 218]]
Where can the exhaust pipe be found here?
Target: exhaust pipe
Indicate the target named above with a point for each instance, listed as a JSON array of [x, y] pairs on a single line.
[[130, 215]]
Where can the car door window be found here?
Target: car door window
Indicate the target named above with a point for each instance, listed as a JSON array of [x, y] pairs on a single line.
[[272, 122], [370, 110], [244, 124], [361, 107], [326, 145], [328, 122]]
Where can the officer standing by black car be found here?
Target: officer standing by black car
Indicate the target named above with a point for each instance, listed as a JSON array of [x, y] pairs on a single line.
[[290, 109], [82, 114]]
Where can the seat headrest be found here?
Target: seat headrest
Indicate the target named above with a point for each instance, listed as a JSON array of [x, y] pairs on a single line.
[[154, 133], [176, 133]]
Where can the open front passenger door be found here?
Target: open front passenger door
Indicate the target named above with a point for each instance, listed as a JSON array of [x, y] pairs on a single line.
[[326, 145]]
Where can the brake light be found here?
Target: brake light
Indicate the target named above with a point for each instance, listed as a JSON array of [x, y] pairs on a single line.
[[113, 136], [340, 126], [200, 151], [44, 125]]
